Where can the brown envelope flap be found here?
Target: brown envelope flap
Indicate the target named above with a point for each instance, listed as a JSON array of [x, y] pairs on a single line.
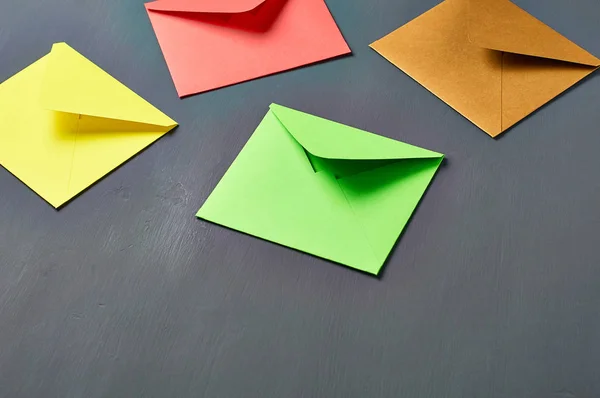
[[431, 49], [503, 26], [529, 83], [205, 6]]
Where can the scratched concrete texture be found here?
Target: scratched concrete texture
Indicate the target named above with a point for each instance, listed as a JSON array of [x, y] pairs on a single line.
[[493, 291]]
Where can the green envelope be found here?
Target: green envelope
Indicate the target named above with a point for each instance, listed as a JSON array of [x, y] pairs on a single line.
[[323, 188]]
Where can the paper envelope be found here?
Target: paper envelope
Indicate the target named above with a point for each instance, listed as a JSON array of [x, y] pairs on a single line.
[[488, 59], [209, 44], [65, 123], [324, 188]]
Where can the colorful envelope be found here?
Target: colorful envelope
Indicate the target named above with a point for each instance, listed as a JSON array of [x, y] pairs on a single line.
[[488, 59], [65, 123], [324, 188], [210, 44]]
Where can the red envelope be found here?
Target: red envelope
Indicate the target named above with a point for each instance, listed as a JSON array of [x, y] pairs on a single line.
[[210, 44]]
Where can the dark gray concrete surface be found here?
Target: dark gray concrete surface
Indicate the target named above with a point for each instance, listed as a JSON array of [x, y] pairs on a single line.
[[492, 291]]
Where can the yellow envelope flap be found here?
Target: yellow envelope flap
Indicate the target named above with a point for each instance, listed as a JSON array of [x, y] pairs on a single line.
[[503, 26], [205, 6], [74, 84]]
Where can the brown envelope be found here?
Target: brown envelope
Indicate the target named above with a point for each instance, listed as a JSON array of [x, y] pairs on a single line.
[[488, 59]]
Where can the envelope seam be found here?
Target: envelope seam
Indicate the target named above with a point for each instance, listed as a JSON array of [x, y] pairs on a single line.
[[73, 155], [359, 222], [502, 93]]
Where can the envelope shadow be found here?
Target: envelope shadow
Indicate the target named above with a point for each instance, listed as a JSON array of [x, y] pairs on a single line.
[[341, 168], [381, 176], [258, 20], [385, 176], [411, 164], [97, 125], [66, 124]]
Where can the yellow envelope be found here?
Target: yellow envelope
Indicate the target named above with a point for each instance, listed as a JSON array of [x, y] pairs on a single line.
[[65, 123], [488, 59]]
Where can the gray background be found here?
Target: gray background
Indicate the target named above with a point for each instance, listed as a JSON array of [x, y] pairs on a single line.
[[492, 291]]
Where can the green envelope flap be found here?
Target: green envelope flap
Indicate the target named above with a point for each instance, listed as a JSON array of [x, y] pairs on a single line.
[[331, 140], [272, 192]]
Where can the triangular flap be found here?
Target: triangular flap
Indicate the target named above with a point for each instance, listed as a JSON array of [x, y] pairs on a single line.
[[74, 84], [503, 26], [331, 140], [541, 80], [205, 6]]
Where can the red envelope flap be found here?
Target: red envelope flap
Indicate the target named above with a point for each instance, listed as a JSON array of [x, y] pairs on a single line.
[[205, 6]]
